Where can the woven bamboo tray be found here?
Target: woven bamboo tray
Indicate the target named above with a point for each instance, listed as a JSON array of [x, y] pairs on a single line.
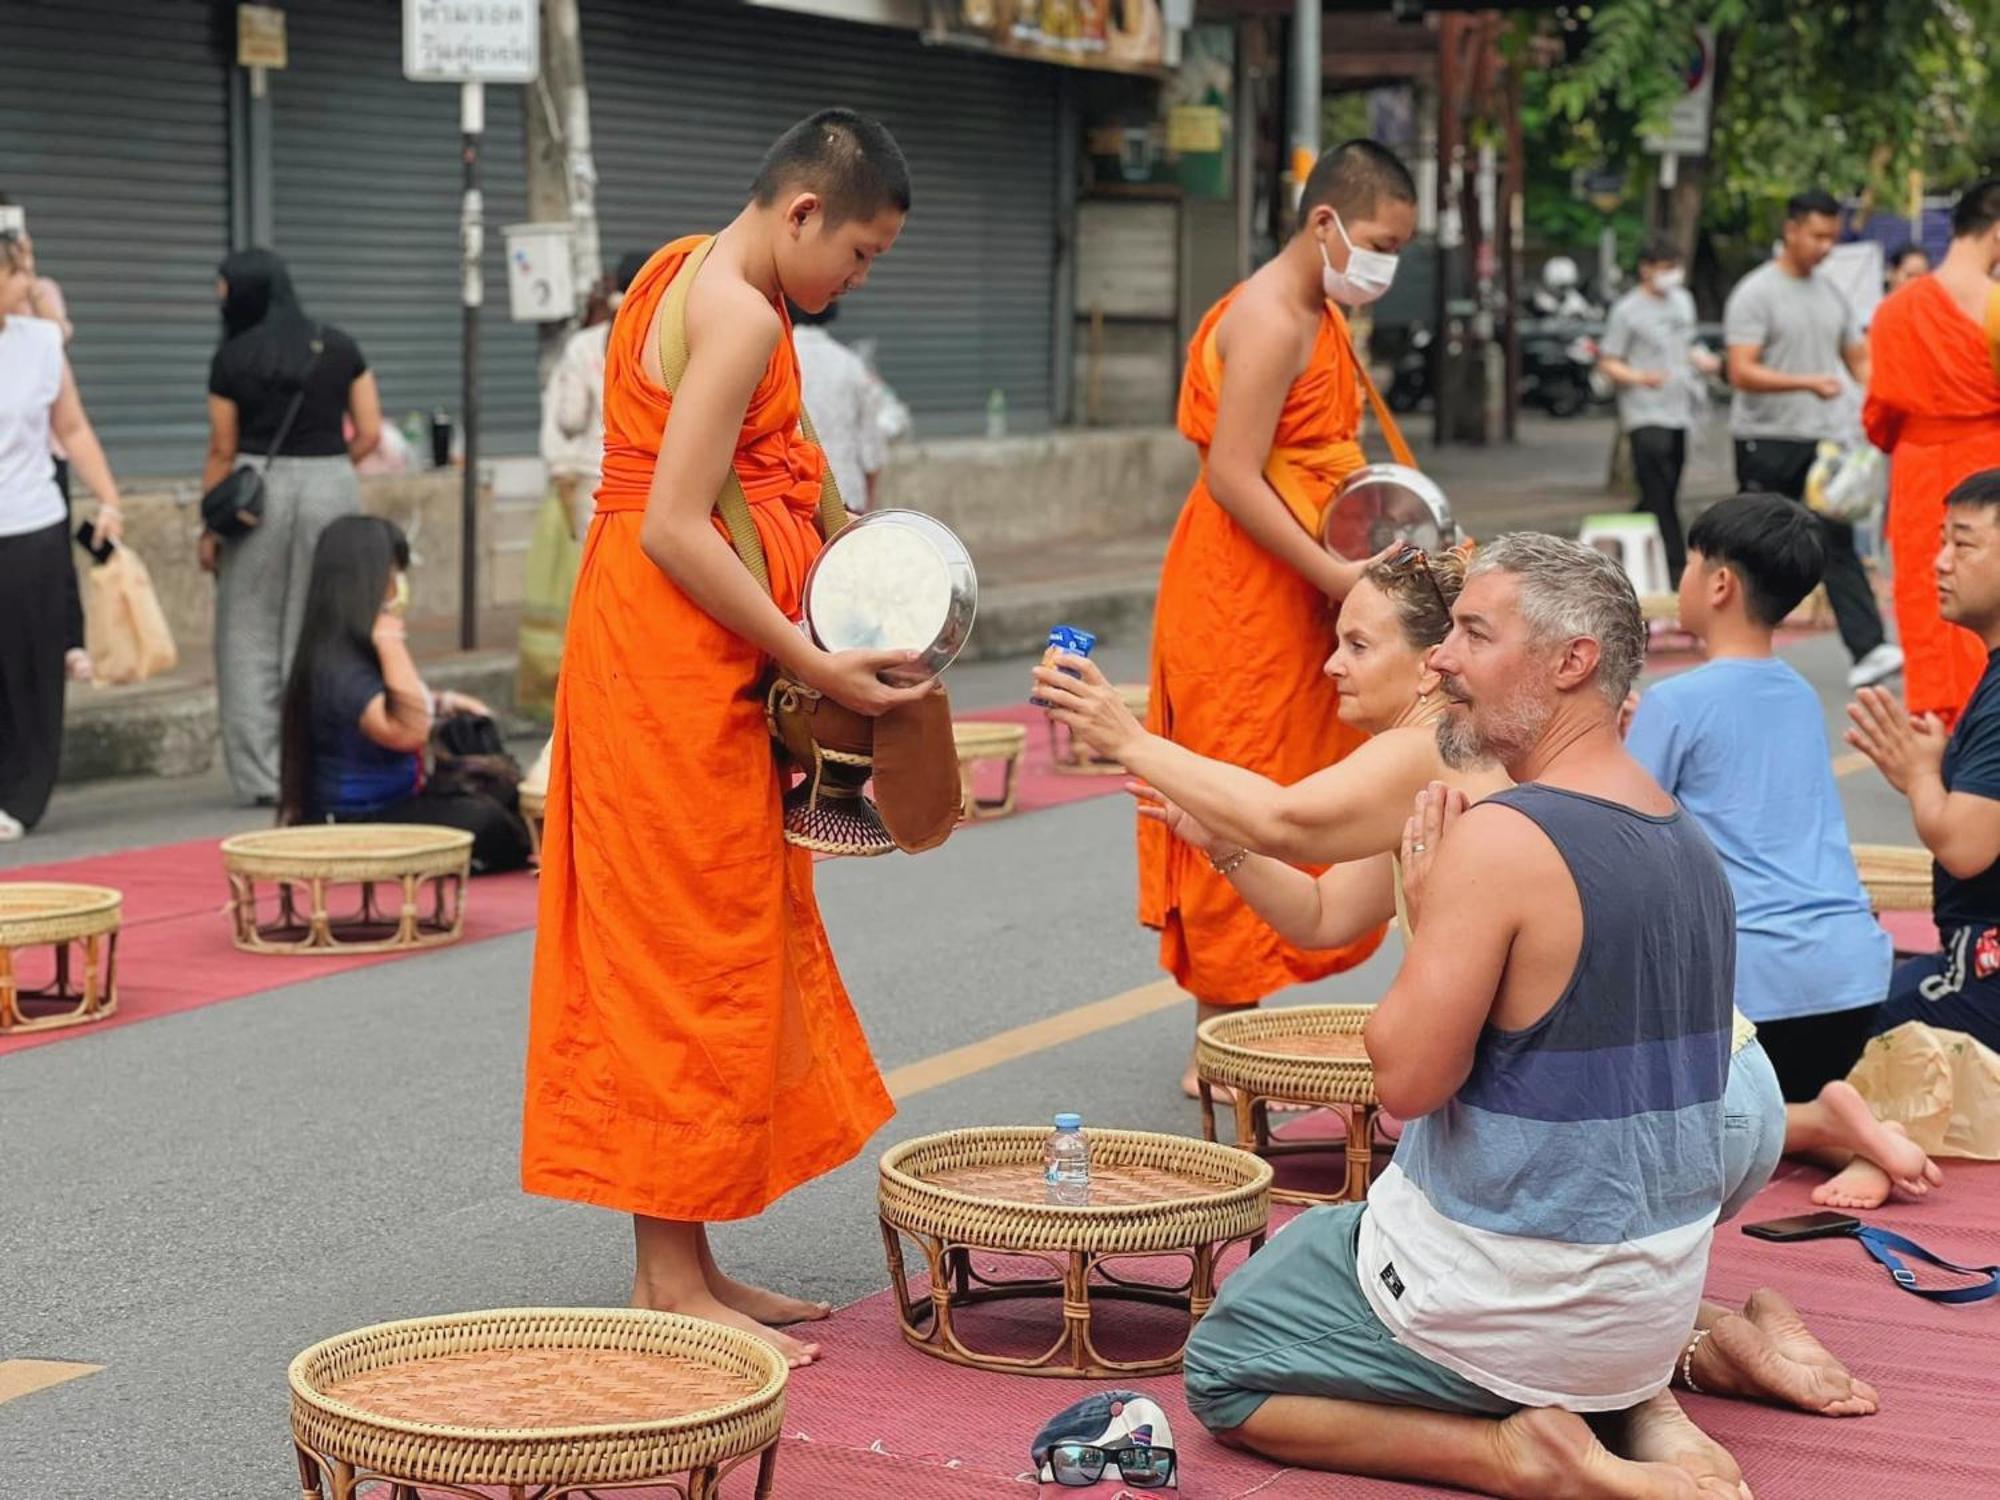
[[978, 742], [981, 1190], [1896, 878], [1300, 1054], [71, 919], [1073, 759], [308, 860], [560, 1400]]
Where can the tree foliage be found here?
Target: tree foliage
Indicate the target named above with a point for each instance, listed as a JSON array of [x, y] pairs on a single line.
[[1851, 95]]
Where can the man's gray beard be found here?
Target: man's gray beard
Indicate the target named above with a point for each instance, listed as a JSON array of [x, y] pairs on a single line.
[[1514, 729]]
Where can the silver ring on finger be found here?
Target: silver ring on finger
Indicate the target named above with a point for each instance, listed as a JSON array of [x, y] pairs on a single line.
[[1416, 848]]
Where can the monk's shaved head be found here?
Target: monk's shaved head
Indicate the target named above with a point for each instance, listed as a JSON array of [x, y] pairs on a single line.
[[1355, 179], [852, 163], [1978, 209]]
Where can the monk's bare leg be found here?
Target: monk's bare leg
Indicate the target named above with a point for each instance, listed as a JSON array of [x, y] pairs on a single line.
[[1766, 1353], [1533, 1455], [1869, 1155], [1658, 1431], [669, 1278], [773, 1309]]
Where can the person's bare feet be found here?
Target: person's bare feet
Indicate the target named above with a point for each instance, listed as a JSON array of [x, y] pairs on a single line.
[[1859, 1184], [1658, 1431], [766, 1306], [1546, 1454], [1745, 1358], [1225, 1096], [1882, 1142], [707, 1306]]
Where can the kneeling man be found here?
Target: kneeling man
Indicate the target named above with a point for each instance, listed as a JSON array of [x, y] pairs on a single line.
[[1558, 1040]]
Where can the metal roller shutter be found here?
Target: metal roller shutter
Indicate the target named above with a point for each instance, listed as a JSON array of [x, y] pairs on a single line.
[[685, 99], [367, 187], [118, 147]]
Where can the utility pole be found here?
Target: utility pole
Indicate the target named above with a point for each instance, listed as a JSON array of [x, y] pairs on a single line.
[[1307, 64], [472, 245], [562, 174]]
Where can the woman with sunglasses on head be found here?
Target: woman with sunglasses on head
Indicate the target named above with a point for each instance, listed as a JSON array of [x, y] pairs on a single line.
[[1355, 816]]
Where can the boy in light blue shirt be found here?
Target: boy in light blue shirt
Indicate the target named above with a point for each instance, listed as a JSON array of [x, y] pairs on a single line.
[[1741, 743]]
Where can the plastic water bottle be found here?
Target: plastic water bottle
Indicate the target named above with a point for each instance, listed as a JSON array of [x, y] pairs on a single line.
[[996, 414], [1066, 1162]]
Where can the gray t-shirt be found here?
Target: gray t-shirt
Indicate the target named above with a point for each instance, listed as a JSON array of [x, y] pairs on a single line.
[[1655, 333], [1802, 324]]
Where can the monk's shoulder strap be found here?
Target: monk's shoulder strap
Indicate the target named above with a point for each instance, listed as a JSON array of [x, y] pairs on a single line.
[[732, 504], [1993, 330]]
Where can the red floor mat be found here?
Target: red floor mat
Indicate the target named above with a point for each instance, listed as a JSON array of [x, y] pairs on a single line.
[[1934, 1438]]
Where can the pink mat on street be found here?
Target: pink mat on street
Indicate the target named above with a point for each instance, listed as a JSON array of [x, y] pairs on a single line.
[[1934, 1438]]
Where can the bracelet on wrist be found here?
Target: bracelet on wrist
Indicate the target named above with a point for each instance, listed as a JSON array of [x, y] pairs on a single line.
[[1227, 864]]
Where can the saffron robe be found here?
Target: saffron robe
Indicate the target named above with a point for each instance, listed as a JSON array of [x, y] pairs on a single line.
[[692, 1054], [1239, 645], [1934, 407]]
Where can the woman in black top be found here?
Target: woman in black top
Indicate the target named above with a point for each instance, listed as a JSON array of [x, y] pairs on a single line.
[[271, 351]]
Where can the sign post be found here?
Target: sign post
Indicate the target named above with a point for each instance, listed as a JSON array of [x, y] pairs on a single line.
[[1686, 129], [471, 43]]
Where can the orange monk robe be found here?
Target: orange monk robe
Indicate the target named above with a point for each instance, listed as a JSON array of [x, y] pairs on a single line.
[[1239, 646], [1934, 407], [691, 1052]]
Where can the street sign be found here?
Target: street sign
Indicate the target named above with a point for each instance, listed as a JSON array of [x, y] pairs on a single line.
[[472, 41], [1686, 132], [260, 36], [541, 287]]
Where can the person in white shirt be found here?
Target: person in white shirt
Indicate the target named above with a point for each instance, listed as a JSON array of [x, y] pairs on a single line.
[[38, 405], [845, 402], [572, 439]]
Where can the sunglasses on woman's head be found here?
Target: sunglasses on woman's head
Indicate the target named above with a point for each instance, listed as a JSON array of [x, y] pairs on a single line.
[[1413, 559], [1075, 1465]]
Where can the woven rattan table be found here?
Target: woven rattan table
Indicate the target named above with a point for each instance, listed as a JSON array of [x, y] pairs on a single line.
[[1896, 878], [536, 1404], [311, 859], [71, 919], [1297, 1054], [981, 1190], [533, 806], [1073, 759], [977, 742]]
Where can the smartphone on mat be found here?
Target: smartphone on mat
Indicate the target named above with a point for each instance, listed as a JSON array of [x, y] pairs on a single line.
[[1826, 1224], [86, 538]]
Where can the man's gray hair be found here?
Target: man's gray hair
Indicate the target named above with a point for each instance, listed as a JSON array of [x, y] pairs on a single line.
[[1568, 590]]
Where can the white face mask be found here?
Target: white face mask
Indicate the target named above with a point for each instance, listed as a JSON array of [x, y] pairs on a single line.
[[1670, 280], [1368, 274]]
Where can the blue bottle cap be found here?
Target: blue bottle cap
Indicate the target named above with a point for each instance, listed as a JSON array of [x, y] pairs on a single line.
[[1069, 1122]]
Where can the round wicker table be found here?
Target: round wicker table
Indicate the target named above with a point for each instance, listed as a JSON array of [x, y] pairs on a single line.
[[977, 742], [1073, 759], [981, 1190], [307, 861], [536, 1402], [533, 806], [73, 920], [1896, 878], [1298, 1054]]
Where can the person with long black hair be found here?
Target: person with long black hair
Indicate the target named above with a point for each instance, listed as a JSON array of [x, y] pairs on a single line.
[[272, 352], [357, 715]]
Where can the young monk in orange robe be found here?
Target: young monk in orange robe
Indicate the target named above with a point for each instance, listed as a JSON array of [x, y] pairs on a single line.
[[1248, 596], [691, 1053], [1934, 407]]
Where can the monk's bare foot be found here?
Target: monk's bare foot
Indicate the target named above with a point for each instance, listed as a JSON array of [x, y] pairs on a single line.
[[1770, 1311], [1883, 1142], [1859, 1184], [1742, 1358], [766, 1306], [1660, 1432], [706, 1306], [1546, 1454]]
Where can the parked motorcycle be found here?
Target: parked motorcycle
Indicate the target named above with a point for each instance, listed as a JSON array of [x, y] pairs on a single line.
[[1558, 364], [1410, 381]]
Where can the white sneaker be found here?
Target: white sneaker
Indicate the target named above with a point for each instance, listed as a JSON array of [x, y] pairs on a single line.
[[1884, 662], [10, 828]]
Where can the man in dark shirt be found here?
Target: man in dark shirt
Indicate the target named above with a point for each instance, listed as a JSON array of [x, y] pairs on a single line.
[[1953, 783]]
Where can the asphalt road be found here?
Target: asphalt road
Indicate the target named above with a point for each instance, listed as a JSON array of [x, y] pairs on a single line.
[[190, 1201]]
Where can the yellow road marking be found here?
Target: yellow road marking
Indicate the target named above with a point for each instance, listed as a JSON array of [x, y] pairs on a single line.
[[23, 1377], [1037, 1036]]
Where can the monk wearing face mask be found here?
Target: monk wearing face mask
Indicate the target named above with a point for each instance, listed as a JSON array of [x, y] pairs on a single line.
[[1248, 596]]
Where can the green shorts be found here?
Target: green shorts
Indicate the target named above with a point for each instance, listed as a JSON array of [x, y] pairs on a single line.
[[1293, 1321]]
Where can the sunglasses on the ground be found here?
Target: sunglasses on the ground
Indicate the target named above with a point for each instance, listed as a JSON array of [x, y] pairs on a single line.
[[1077, 1464]]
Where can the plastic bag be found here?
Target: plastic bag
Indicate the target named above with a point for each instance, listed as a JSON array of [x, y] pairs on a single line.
[[1848, 484], [553, 557], [1943, 1087], [125, 630]]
